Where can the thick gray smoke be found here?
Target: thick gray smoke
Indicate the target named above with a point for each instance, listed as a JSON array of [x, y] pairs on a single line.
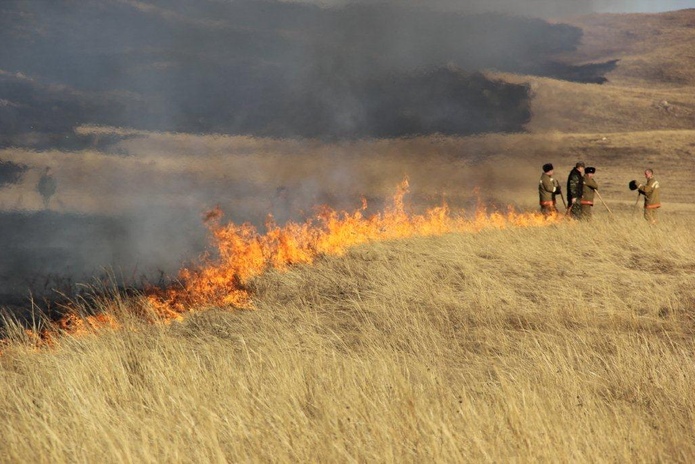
[[270, 68], [324, 70]]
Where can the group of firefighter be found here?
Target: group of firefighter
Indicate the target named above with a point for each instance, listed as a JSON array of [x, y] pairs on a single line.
[[582, 189]]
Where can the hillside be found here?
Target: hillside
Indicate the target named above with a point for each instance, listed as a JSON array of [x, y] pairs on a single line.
[[523, 339], [651, 88], [654, 50], [570, 343]]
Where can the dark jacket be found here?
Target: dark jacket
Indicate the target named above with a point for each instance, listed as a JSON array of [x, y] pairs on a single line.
[[575, 185]]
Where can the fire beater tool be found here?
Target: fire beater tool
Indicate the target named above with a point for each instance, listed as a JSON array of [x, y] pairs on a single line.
[[633, 186], [604, 203], [563, 199]]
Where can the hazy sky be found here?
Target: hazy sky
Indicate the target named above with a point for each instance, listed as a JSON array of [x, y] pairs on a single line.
[[539, 8], [641, 6]]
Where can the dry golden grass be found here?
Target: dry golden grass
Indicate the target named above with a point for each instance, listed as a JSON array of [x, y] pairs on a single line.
[[167, 171], [611, 107], [572, 343], [568, 343], [652, 88], [654, 49]]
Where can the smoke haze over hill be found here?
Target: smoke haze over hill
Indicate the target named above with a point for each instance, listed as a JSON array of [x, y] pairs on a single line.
[[336, 72], [270, 68]]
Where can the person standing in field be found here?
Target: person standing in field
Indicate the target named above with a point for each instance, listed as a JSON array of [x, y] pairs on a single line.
[[652, 197], [589, 187], [548, 187], [46, 187], [575, 185]]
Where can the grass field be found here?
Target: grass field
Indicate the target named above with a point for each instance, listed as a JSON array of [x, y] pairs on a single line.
[[572, 342], [566, 343]]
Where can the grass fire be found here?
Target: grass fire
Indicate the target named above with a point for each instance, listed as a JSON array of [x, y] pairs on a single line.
[[241, 253], [274, 231]]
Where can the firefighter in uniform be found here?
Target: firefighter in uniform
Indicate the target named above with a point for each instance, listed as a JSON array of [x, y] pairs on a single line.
[[548, 187], [588, 192], [652, 198], [575, 184]]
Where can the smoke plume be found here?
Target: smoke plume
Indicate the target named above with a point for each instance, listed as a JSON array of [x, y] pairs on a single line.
[[301, 71]]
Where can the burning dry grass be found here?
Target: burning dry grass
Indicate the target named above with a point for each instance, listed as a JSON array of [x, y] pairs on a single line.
[[241, 253], [572, 343]]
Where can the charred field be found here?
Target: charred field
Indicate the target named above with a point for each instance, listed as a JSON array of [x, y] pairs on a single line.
[[321, 243]]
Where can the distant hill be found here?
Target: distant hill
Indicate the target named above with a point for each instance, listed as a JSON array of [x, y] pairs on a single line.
[[653, 49], [652, 86]]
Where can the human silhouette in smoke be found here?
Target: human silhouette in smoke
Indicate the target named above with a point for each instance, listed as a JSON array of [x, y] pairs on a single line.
[[280, 204], [47, 187]]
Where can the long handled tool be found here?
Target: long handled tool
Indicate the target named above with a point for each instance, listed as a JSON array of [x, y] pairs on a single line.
[[563, 200], [568, 211], [604, 203]]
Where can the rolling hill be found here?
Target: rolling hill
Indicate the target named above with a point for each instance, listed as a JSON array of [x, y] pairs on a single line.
[[561, 341]]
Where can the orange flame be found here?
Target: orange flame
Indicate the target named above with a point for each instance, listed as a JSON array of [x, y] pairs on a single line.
[[242, 253], [70, 324]]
